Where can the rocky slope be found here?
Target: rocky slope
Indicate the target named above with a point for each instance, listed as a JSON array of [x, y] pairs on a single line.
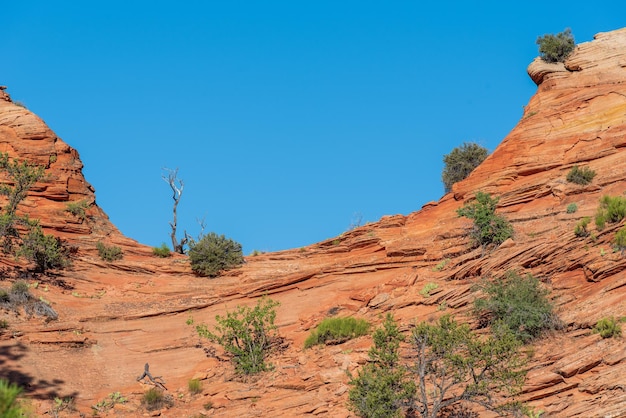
[[115, 317]]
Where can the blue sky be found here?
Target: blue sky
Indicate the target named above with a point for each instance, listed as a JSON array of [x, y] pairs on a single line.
[[286, 119]]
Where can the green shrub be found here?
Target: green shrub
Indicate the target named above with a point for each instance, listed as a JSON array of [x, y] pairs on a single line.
[[428, 287], [9, 404], [154, 398], [77, 209], [382, 387], [247, 334], [580, 176], [620, 239], [109, 253], [163, 251], [608, 327], [580, 230], [556, 48], [572, 208], [194, 386], [461, 162], [612, 209], [46, 251], [213, 254], [109, 402], [489, 228], [518, 303], [337, 330]]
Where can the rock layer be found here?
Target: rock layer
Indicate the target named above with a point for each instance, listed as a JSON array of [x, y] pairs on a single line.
[[114, 317]]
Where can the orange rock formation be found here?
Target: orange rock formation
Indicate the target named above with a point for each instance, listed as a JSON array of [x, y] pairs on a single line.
[[114, 317]]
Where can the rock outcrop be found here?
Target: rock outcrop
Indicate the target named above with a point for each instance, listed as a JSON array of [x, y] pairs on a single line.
[[115, 317]]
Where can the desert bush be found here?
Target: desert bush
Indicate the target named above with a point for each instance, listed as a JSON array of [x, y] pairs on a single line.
[[518, 303], [612, 209], [608, 327], [620, 239], [580, 176], [382, 387], [194, 386], [213, 254], [109, 253], [46, 251], [163, 251], [428, 287], [154, 398], [461, 162], [109, 402], [556, 48], [337, 330], [489, 228], [580, 230], [572, 208], [77, 209], [9, 404], [247, 334]]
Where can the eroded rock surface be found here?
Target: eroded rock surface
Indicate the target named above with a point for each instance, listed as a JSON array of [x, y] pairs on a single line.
[[115, 317]]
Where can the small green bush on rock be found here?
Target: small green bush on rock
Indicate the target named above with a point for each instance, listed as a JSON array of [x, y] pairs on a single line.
[[580, 176], [608, 327], [489, 228], [572, 208], [612, 209], [461, 162], [247, 334], [163, 251], [556, 48], [109, 253], [337, 330], [213, 254], [580, 230], [518, 303]]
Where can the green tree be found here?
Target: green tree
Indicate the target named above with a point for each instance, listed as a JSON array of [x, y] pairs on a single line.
[[213, 254], [556, 48], [46, 251], [382, 387], [489, 228], [247, 334], [454, 365], [461, 162]]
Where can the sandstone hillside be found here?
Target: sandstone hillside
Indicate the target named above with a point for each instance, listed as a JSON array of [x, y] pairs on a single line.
[[115, 317]]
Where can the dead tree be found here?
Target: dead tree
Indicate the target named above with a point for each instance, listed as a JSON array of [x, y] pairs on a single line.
[[156, 380], [177, 186]]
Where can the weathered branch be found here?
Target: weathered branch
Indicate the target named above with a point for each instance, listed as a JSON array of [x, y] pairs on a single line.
[[157, 380], [177, 187]]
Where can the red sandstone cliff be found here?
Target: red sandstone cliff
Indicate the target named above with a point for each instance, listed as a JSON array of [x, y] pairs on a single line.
[[115, 317]]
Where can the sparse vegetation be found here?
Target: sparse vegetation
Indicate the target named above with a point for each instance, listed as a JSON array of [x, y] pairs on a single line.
[[382, 387], [608, 327], [109, 252], [337, 330], [572, 208], [213, 254], [580, 176], [441, 265], [154, 398], [109, 402], [580, 230], [78, 209], [163, 251], [19, 296], [46, 251], [194, 386], [612, 209], [556, 48], [517, 303], [247, 334], [620, 239], [428, 287], [489, 228], [461, 162]]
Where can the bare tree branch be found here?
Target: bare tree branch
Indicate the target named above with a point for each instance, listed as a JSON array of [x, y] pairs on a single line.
[[177, 187]]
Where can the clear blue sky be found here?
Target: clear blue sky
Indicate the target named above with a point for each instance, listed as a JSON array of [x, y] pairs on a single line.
[[285, 118]]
